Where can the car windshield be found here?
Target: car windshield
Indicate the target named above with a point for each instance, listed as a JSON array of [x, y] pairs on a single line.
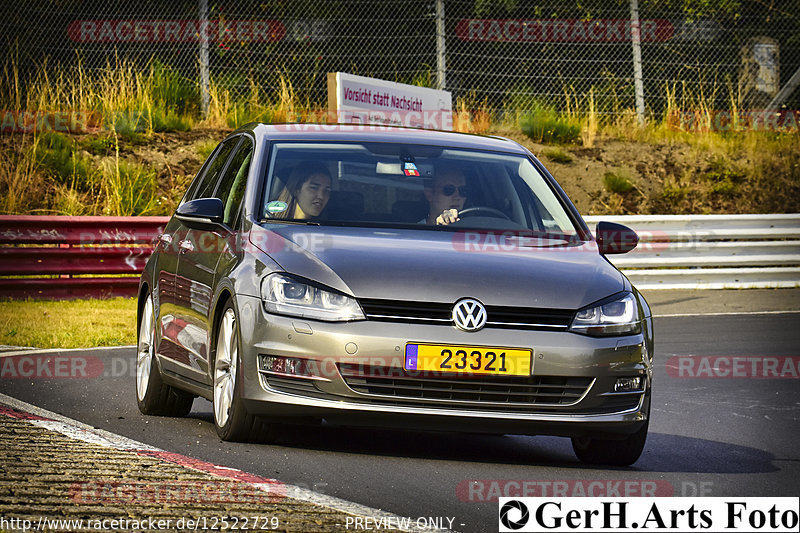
[[406, 185]]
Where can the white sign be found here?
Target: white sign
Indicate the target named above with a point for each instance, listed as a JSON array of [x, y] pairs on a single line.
[[361, 100], [660, 514]]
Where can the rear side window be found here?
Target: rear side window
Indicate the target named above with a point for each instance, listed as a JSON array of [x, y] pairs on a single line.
[[206, 181], [231, 187]]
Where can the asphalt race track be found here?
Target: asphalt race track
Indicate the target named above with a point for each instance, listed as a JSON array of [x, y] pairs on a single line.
[[720, 427]]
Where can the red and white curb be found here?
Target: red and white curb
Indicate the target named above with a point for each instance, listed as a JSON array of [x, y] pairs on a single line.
[[275, 489]]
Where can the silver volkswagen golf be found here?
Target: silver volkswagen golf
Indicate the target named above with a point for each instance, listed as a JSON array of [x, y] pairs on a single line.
[[393, 277]]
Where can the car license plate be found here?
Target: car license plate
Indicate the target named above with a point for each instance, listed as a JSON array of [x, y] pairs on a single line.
[[468, 359]]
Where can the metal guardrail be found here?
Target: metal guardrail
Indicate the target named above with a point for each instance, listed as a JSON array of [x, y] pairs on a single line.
[[103, 256], [711, 251], [74, 257]]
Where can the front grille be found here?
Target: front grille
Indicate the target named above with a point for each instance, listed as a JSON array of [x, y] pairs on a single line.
[[480, 391], [400, 311], [440, 313]]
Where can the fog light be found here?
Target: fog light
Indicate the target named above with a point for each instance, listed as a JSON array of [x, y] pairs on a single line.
[[287, 366], [628, 384]]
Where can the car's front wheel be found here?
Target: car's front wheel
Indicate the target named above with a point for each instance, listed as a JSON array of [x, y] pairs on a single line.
[[152, 394], [623, 452], [231, 419]]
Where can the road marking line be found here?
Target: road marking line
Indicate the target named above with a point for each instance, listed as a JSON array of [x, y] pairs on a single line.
[[86, 433], [90, 436], [73, 428], [39, 351]]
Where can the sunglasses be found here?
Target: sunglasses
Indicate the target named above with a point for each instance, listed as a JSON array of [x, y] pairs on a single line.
[[449, 190]]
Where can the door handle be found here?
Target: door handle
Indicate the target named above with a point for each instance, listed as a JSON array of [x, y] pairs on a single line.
[[166, 238], [186, 246]]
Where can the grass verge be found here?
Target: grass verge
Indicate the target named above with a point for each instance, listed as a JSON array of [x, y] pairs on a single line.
[[69, 323]]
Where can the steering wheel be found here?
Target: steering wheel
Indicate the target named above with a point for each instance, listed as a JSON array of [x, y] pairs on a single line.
[[490, 211]]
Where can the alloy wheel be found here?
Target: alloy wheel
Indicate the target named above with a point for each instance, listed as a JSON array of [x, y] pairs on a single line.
[[225, 368], [145, 349]]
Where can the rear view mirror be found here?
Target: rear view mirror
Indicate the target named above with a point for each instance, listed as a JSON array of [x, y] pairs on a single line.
[[201, 213], [615, 238]]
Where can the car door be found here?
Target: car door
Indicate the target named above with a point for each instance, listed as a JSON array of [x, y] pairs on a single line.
[[178, 335], [197, 263], [167, 265]]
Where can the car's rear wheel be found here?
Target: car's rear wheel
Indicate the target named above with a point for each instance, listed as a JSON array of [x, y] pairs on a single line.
[[153, 396], [623, 452], [231, 419]]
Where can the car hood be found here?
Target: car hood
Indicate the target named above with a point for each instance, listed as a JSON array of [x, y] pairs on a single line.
[[443, 266]]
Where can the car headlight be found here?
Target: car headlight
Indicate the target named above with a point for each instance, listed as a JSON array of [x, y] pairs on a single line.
[[617, 315], [284, 295]]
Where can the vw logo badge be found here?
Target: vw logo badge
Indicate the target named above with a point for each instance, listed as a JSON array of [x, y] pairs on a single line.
[[469, 314]]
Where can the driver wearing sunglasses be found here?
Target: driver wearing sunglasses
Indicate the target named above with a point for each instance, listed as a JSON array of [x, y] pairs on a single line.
[[446, 195]]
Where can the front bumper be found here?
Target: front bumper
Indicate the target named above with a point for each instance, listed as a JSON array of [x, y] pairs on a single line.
[[358, 378]]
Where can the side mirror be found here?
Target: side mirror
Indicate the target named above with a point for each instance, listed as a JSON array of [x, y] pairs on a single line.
[[615, 238], [201, 213]]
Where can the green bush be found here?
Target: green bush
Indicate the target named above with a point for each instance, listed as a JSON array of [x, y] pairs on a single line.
[[174, 93], [57, 156], [139, 120], [724, 179], [725, 187], [673, 194], [546, 126], [130, 189], [127, 122], [617, 183], [98, 145], [557, 155], [169, 120]]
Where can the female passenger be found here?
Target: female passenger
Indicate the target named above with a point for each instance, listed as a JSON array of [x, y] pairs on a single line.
[[306, 193]]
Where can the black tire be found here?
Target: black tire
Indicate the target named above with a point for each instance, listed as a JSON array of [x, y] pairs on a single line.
[[623, 452], [153, 396], [233, 424]]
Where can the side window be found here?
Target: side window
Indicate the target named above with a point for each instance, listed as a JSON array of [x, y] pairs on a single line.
[[189, 194], [233, 183], [208, 181]]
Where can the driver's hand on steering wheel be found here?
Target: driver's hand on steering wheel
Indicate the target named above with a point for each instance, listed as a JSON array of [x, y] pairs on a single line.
[[448, 216]]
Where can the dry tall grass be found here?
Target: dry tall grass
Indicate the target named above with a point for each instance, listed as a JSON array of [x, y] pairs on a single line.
[[283, 105], [472, 115], [19, 182], [126, 100]]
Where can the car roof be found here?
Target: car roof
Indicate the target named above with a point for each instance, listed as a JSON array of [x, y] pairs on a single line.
[[380, 133]]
